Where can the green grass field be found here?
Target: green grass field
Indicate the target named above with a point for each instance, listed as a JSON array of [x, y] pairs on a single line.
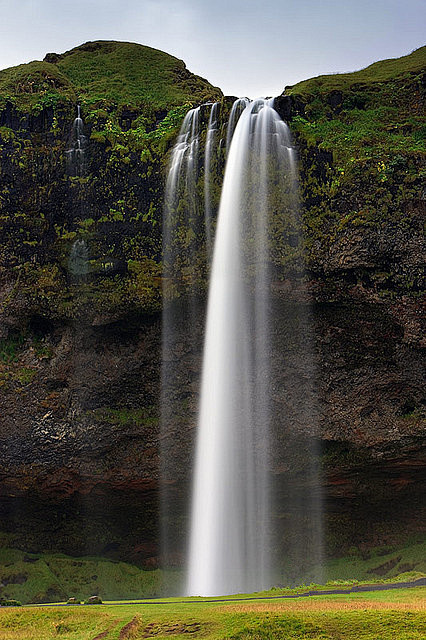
[[385, 615]]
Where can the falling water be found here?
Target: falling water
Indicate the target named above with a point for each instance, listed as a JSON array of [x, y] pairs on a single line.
[[230, 536], [76, 154], [236, 111], [184, 160], [211, 143], [78, 262], [181, 329], [248, 428], [76, 157], [181, 188]]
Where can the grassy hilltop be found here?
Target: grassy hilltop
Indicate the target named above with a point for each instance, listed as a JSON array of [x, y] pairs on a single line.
[[378, 110], [123, 73], [382, 71]]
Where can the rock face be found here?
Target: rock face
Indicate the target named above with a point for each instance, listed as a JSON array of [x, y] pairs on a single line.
[[80, 359]]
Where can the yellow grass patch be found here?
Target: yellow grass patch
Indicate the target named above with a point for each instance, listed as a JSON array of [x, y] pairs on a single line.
[[321, 605]]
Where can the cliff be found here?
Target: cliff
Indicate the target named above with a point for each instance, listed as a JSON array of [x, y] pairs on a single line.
[[80, 356]]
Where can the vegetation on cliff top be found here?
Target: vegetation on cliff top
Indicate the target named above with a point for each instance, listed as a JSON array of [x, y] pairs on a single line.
[[361, 140], [360, 137], [131, 73], [376, 111], [362, 143], [133, 99], [381, 71], [115, 73]]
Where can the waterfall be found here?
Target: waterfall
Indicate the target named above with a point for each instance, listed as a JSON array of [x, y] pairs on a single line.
[[78, 262], [184, 158], [233, 538], [76, 154], [181, 188], [211, 142], [236, 111], [230, 537], [76, 158], [182, 225]]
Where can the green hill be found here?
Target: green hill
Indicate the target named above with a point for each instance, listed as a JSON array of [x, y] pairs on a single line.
[[381, 71], [121, 73], [376, 112]]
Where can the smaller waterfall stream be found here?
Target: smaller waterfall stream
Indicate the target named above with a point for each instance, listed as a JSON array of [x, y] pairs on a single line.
[[211, 143], [78, 262], [236, 111], [184, 158], [181, 188], [76, 154], [76, 158], [181, 223]]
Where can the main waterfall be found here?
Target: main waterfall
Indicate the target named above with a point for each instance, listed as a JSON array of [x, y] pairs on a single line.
[[230, 522], [232, 534]]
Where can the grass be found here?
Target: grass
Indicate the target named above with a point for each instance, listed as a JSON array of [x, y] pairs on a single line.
[[372, 114], [124, 416], [370, 126], [35, 84], [114, 73], [132, 73], [384, 615], [381, 71], [381, 563]]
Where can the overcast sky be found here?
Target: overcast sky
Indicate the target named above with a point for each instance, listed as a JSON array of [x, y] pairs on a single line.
[[246, 47]]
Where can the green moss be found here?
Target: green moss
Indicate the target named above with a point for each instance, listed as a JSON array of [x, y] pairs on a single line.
[[7, 134], [377, 72], [17, 377], [361, 135], [125, 416], [10, 348], [25, 375], [361, 145]]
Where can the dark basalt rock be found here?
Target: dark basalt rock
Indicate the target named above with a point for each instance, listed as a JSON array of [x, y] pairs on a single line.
[[289, 106], [335, 100], [53, 58]]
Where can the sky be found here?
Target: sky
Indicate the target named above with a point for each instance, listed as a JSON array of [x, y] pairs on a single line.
[[245, 47]]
